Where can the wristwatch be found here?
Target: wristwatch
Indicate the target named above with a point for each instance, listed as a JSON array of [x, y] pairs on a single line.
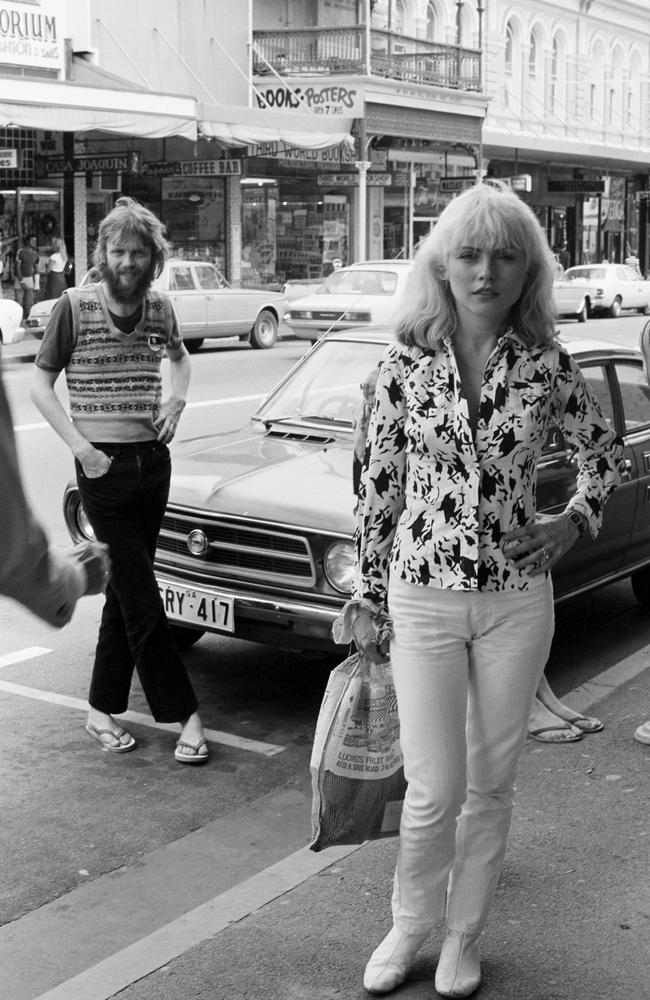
[[577, 520]]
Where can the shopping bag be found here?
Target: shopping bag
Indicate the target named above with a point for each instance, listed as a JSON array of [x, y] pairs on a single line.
[[357, 774]]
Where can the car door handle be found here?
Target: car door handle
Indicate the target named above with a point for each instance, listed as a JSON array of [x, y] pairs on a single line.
[[627, 469]]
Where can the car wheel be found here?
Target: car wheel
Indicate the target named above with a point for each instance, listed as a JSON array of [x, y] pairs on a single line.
[[583, 313], [184, 637], [265, 330], [615, 308], [193, 345]]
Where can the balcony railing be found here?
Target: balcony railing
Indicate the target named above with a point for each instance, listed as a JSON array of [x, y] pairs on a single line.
[[313, 51]]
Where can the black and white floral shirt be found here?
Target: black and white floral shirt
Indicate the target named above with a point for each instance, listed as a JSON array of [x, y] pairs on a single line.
[[433, 502]]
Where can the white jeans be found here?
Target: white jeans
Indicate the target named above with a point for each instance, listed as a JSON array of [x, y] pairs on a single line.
[[466, 667]]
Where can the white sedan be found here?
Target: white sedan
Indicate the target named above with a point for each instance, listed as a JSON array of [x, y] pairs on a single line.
[[364, 294], [206, 306], [11, 314]]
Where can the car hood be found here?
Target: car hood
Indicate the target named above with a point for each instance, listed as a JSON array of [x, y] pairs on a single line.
[[280, 478]]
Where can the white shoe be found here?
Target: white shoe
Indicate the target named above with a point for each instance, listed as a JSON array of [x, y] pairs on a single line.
[[459, 966], [642, 734], [390, 963]]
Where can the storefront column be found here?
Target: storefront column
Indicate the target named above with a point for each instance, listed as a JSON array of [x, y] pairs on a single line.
[[233, 230], [80, 227]]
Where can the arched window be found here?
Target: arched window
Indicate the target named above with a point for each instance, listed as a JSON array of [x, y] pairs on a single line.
[[431, 23], [510, 46], [532, 56], [399, 18]]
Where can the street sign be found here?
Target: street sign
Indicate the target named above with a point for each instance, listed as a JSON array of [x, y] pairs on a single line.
[[452, 185], [581, 186]]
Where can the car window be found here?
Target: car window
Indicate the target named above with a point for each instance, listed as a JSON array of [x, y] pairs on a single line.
[[635, 396], [592, 273], [360, 280], [180, 279], [206, 276], [596, 378], [623, 274]]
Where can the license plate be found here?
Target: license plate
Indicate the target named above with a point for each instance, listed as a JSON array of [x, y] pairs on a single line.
[[185, 604]]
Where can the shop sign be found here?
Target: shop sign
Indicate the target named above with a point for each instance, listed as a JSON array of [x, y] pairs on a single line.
[[452, 185], [352, 180], [519, 183], [191, 168], [127, 162], [285, 157], [210, 168], [31, 37], [571, 186], [642, 196], [8, 159], [314, 96]]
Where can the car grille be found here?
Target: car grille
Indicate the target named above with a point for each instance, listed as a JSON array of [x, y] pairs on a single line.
[[236, 549]]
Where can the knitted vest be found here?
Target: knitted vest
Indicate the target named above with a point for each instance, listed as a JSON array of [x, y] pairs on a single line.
[[113, 378]]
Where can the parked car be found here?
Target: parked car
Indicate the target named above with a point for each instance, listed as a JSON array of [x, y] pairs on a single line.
[[365, 293], [257, 538], [206, 305], [613, 287], [571, 296], [11, 315], [298, 288]]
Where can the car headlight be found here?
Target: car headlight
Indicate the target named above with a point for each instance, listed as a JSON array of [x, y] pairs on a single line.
[[339, 566], [300, 314], [358, 317]]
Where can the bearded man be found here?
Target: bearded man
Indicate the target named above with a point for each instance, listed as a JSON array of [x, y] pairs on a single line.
[[109, 338]]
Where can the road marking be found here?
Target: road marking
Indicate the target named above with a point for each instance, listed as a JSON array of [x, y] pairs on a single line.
[[119, 971], [198, 404], [20, 655], [211, 735]]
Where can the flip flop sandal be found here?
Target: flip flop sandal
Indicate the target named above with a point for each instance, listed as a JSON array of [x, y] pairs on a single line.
[[191, 758], [586, 724], [571, 737], [97, 734]]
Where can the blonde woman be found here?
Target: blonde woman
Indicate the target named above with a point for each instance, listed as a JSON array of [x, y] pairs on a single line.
[[453, 560]]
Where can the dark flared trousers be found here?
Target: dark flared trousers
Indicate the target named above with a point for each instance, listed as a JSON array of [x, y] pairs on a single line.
[[125, 508]]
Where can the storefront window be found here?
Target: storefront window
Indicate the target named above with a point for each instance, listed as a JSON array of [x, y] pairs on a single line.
[[313, 232], [259, 265], [27, 212], [194, 212]]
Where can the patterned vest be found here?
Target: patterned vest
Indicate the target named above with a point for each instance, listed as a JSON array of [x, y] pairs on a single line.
[[113, 378]]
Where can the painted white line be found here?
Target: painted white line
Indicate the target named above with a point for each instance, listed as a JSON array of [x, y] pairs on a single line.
[[198, 404], [109, 977], [211, 735], [23, 654]]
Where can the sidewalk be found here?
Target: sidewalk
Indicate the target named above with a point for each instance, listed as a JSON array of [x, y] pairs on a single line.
[[571, 919]]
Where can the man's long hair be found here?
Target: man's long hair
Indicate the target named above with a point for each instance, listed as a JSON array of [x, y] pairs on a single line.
[[128, 219]]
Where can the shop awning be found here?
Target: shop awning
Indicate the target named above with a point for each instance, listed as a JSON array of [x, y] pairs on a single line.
[[61, 106], [240, 126]]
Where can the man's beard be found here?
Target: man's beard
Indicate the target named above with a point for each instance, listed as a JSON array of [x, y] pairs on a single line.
[[135, 292]]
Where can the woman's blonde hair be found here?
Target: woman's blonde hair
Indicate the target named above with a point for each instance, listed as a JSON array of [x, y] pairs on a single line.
[[489, 215]]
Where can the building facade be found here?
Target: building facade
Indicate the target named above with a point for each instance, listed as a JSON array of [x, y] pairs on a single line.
[[276, 137]]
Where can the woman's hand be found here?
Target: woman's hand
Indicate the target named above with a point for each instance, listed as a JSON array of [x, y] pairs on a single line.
[[538, 546], [364, 627]]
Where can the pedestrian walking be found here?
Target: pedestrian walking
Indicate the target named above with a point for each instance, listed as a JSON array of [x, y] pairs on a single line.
[[46, 582], [109, 337], [453, 561], [55, 283], [26, 277]]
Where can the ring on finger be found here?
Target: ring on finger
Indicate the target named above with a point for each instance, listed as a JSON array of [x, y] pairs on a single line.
[[545, 555]]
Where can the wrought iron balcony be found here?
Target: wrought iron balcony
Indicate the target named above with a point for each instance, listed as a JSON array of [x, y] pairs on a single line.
[[343, 51]]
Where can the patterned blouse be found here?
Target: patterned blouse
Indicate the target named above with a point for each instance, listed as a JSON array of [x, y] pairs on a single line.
[[433, 502]]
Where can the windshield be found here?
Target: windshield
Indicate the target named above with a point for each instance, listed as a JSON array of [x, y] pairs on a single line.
[[360, 282], [326, 386], [597, 273]]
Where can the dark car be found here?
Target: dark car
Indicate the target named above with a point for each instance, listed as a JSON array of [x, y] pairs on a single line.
[[257, 538]]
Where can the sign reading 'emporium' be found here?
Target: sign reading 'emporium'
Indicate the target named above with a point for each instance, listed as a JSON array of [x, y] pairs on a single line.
[[30, 36]]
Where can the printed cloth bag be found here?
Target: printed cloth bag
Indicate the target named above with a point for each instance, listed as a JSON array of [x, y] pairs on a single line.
[[358, 780]]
